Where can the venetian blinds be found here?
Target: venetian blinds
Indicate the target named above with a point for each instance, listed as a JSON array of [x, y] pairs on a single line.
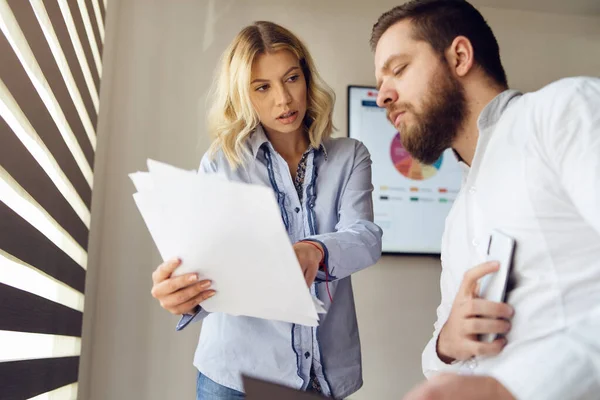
[[50, 71]]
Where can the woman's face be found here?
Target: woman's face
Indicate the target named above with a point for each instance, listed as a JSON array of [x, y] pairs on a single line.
[[278, 91]]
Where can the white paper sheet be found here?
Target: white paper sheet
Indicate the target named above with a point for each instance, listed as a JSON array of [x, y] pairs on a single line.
[[230, 233]]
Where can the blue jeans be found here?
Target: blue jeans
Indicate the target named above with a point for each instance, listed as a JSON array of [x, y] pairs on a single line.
[[207, 389]]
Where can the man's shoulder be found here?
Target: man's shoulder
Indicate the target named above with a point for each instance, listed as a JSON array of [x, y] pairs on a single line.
[[563, 91], [562, 101]]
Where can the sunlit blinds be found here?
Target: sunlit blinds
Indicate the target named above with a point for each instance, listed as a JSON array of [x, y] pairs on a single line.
[[50, 72]]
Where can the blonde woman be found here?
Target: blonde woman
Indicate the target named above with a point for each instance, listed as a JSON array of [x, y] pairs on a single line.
[[271, 121]]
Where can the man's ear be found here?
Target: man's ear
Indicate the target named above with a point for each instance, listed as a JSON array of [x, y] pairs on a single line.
[[460, 56]]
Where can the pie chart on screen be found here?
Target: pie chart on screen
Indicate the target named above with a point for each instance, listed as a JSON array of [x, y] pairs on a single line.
[[409, 167]]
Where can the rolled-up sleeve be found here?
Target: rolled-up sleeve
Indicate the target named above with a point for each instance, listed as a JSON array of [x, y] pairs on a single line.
[[356, 242]]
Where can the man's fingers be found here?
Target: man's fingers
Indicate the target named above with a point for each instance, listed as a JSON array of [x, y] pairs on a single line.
[[165, 270], [476, 326], [487, 349], [472, 276], [487, 309], [184, 295], [190, 304]]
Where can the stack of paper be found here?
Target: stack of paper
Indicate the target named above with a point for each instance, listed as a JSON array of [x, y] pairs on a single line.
[[230, 233]]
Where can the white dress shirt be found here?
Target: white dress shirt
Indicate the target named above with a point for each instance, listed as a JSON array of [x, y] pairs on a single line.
[[536, 177]]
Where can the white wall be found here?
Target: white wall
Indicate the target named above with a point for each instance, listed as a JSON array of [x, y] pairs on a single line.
[[159, 61]]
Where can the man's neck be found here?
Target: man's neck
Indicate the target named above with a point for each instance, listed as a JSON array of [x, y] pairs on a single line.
[[468, 135]]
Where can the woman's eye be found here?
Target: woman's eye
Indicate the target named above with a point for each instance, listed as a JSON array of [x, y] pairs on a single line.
[[293, 78], [262, 88]]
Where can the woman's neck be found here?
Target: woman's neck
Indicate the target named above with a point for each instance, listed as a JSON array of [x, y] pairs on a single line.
[[289, 145]]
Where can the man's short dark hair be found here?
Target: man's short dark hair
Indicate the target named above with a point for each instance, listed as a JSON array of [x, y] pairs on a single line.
[[439, 22]]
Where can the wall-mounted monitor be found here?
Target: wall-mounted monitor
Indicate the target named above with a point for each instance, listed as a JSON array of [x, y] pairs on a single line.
[[411, 200]]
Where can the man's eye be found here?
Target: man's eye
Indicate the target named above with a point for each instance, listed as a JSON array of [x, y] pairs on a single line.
[[399, 70]]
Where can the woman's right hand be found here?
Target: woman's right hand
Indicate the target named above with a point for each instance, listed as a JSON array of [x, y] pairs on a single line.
[[178, 295]]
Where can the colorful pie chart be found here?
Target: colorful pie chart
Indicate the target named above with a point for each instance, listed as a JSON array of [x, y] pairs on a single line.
[[409, 167]]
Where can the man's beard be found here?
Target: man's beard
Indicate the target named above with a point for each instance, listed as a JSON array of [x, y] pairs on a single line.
[[436, 127]]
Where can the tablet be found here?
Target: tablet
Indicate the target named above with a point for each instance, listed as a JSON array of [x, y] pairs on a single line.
[[257, 389]]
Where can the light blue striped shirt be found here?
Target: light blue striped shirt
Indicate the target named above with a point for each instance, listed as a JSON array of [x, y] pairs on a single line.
[[336, 211]]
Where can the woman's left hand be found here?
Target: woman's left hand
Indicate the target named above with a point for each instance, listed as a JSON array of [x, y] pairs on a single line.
[[309, 258]]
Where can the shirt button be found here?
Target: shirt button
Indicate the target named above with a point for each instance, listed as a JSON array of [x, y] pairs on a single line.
[[307, 354], [472, 190], [475, 242], [297, 209]]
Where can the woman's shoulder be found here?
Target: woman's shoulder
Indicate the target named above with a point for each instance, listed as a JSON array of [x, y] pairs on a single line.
[[219, 158], [209, 162], [215, 161]]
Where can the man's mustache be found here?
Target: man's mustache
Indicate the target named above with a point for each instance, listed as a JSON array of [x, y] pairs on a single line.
[[396, 108]]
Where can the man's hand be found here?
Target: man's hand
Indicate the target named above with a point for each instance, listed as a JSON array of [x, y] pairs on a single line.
[[471, 316], [179, 295], [309, 256], [459, 387]]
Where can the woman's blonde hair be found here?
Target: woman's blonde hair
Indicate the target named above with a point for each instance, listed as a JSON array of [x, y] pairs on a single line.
[[231, 118]]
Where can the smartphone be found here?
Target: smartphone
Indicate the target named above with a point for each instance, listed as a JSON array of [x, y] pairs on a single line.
[[493, 287]]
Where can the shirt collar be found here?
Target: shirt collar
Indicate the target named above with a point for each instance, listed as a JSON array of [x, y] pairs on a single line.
[[259, 138], [490, 115]]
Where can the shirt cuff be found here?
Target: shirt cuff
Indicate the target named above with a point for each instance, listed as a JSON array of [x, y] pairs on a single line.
[[186, 319], [324, 272], [432, 364]]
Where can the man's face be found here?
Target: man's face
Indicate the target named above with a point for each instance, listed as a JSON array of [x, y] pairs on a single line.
[[423, 100]]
